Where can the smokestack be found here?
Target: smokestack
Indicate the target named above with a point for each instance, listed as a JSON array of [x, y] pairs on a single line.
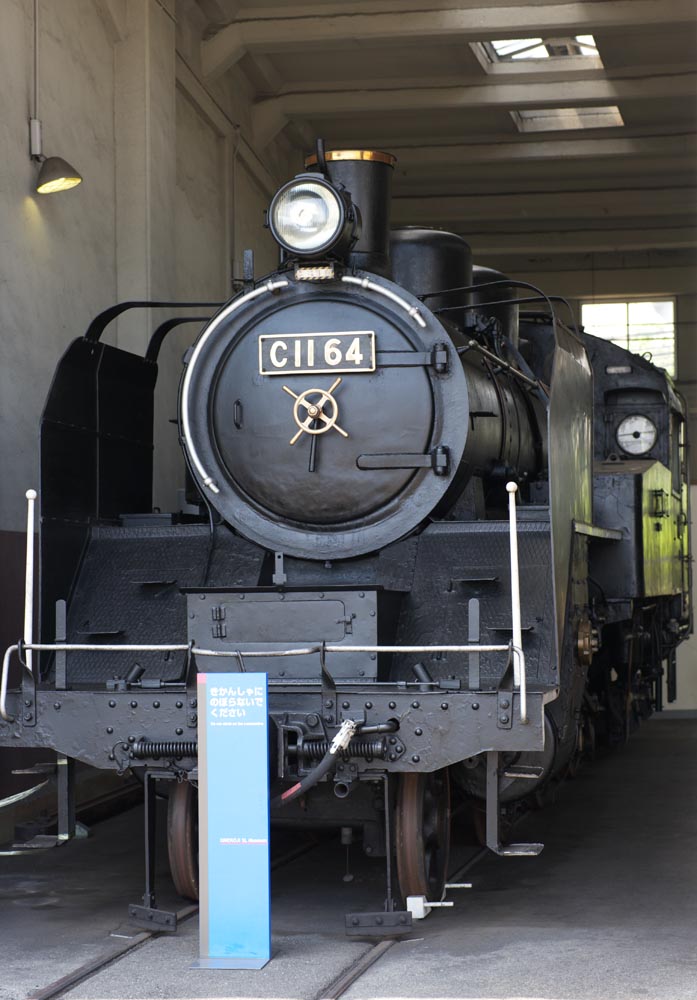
[[367, 175]]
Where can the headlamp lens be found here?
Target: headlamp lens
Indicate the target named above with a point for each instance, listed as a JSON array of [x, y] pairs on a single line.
[[306, 216]]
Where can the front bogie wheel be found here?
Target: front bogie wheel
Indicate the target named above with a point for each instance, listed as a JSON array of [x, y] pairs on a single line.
[[422, 834], [182, 838]]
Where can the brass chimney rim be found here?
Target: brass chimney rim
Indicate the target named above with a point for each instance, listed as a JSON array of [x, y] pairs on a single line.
[[372, 155]]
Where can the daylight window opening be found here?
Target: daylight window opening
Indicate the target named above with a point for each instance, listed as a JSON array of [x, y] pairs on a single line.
[[513, 49], [641, 326]]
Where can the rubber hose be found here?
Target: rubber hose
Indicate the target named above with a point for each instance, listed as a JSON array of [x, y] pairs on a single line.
[[327, 764]]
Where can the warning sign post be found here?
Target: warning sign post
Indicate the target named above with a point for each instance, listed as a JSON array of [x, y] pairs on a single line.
[[233, 756]]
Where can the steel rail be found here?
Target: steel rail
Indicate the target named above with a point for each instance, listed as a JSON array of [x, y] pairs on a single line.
[[339, 986], [91, 968]]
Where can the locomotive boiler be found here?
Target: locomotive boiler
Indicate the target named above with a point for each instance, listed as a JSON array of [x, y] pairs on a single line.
[[454, 537]]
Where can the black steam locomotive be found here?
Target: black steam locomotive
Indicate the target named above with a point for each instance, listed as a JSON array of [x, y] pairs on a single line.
[[453, 534]]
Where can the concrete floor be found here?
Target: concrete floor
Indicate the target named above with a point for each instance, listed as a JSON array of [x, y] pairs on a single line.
[[607, 912]]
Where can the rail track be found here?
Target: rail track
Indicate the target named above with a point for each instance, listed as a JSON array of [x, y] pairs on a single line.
[[342, 983], [335, 989]]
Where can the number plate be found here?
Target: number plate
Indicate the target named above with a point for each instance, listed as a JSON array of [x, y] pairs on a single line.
[[305, 353]]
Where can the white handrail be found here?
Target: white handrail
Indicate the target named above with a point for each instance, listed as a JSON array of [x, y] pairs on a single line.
[[29, 580], [87, 647], [3, 683], [519, 679]]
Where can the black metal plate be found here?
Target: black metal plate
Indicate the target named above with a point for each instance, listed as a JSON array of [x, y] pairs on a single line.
[[379, 925], [153, 919]]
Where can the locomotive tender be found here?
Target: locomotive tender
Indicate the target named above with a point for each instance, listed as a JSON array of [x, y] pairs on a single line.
[[356, 426]]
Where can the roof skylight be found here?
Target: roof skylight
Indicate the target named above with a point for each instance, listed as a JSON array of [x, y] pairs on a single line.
[[508, 50], [554, 119]]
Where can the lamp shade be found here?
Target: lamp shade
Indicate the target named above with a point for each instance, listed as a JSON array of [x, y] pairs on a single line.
[[56, 174]]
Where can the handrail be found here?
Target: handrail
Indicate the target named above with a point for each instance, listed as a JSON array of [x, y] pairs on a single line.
[[29, 578], [89, 647], [3, 683], [519, 678], [101, 321]]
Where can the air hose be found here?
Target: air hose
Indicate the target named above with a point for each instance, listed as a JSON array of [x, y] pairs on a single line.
[[328, 763]]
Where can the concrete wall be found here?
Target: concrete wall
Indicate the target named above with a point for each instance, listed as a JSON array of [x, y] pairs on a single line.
[[172, 194], [57, 253]]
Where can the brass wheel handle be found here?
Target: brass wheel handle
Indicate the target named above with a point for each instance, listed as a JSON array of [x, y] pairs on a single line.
[[311, 423], [314, 412]]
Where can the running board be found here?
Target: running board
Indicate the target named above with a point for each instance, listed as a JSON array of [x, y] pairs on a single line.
[[493, 807]]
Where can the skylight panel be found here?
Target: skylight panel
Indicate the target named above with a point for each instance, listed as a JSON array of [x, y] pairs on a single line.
[[514, 49], [520, 48], [554, 119]]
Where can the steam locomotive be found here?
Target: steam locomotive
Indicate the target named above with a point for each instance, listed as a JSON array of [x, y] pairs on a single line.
[[379, 446]]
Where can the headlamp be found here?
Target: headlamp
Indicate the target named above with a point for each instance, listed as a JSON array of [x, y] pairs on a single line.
[[308, 217]]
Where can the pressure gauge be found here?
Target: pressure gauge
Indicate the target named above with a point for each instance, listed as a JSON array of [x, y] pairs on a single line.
[[636, 434]]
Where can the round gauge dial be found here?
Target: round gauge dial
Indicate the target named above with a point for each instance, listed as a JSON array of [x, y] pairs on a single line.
[[636, 434]]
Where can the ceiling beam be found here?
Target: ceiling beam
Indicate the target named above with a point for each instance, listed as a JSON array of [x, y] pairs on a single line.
[[637, 203], [225, 48], [525, 73], [330, 8], [582, 241], [596, 282], [270, 116], [605, 147]]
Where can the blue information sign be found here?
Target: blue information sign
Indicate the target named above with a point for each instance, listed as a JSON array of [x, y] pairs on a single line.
[[234, 913]]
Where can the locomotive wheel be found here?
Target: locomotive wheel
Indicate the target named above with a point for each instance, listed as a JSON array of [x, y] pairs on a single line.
[[182, 838], [422, 836]]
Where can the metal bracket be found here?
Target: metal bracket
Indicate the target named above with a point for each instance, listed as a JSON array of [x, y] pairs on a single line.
[[279, 577], [493, 809], [28, 706], [436, 358], [504, 717], [473, 638], [148, 916], [379, 925], [504, 700], [65, 789], [61, 661], [438, 460], [248, 269]]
